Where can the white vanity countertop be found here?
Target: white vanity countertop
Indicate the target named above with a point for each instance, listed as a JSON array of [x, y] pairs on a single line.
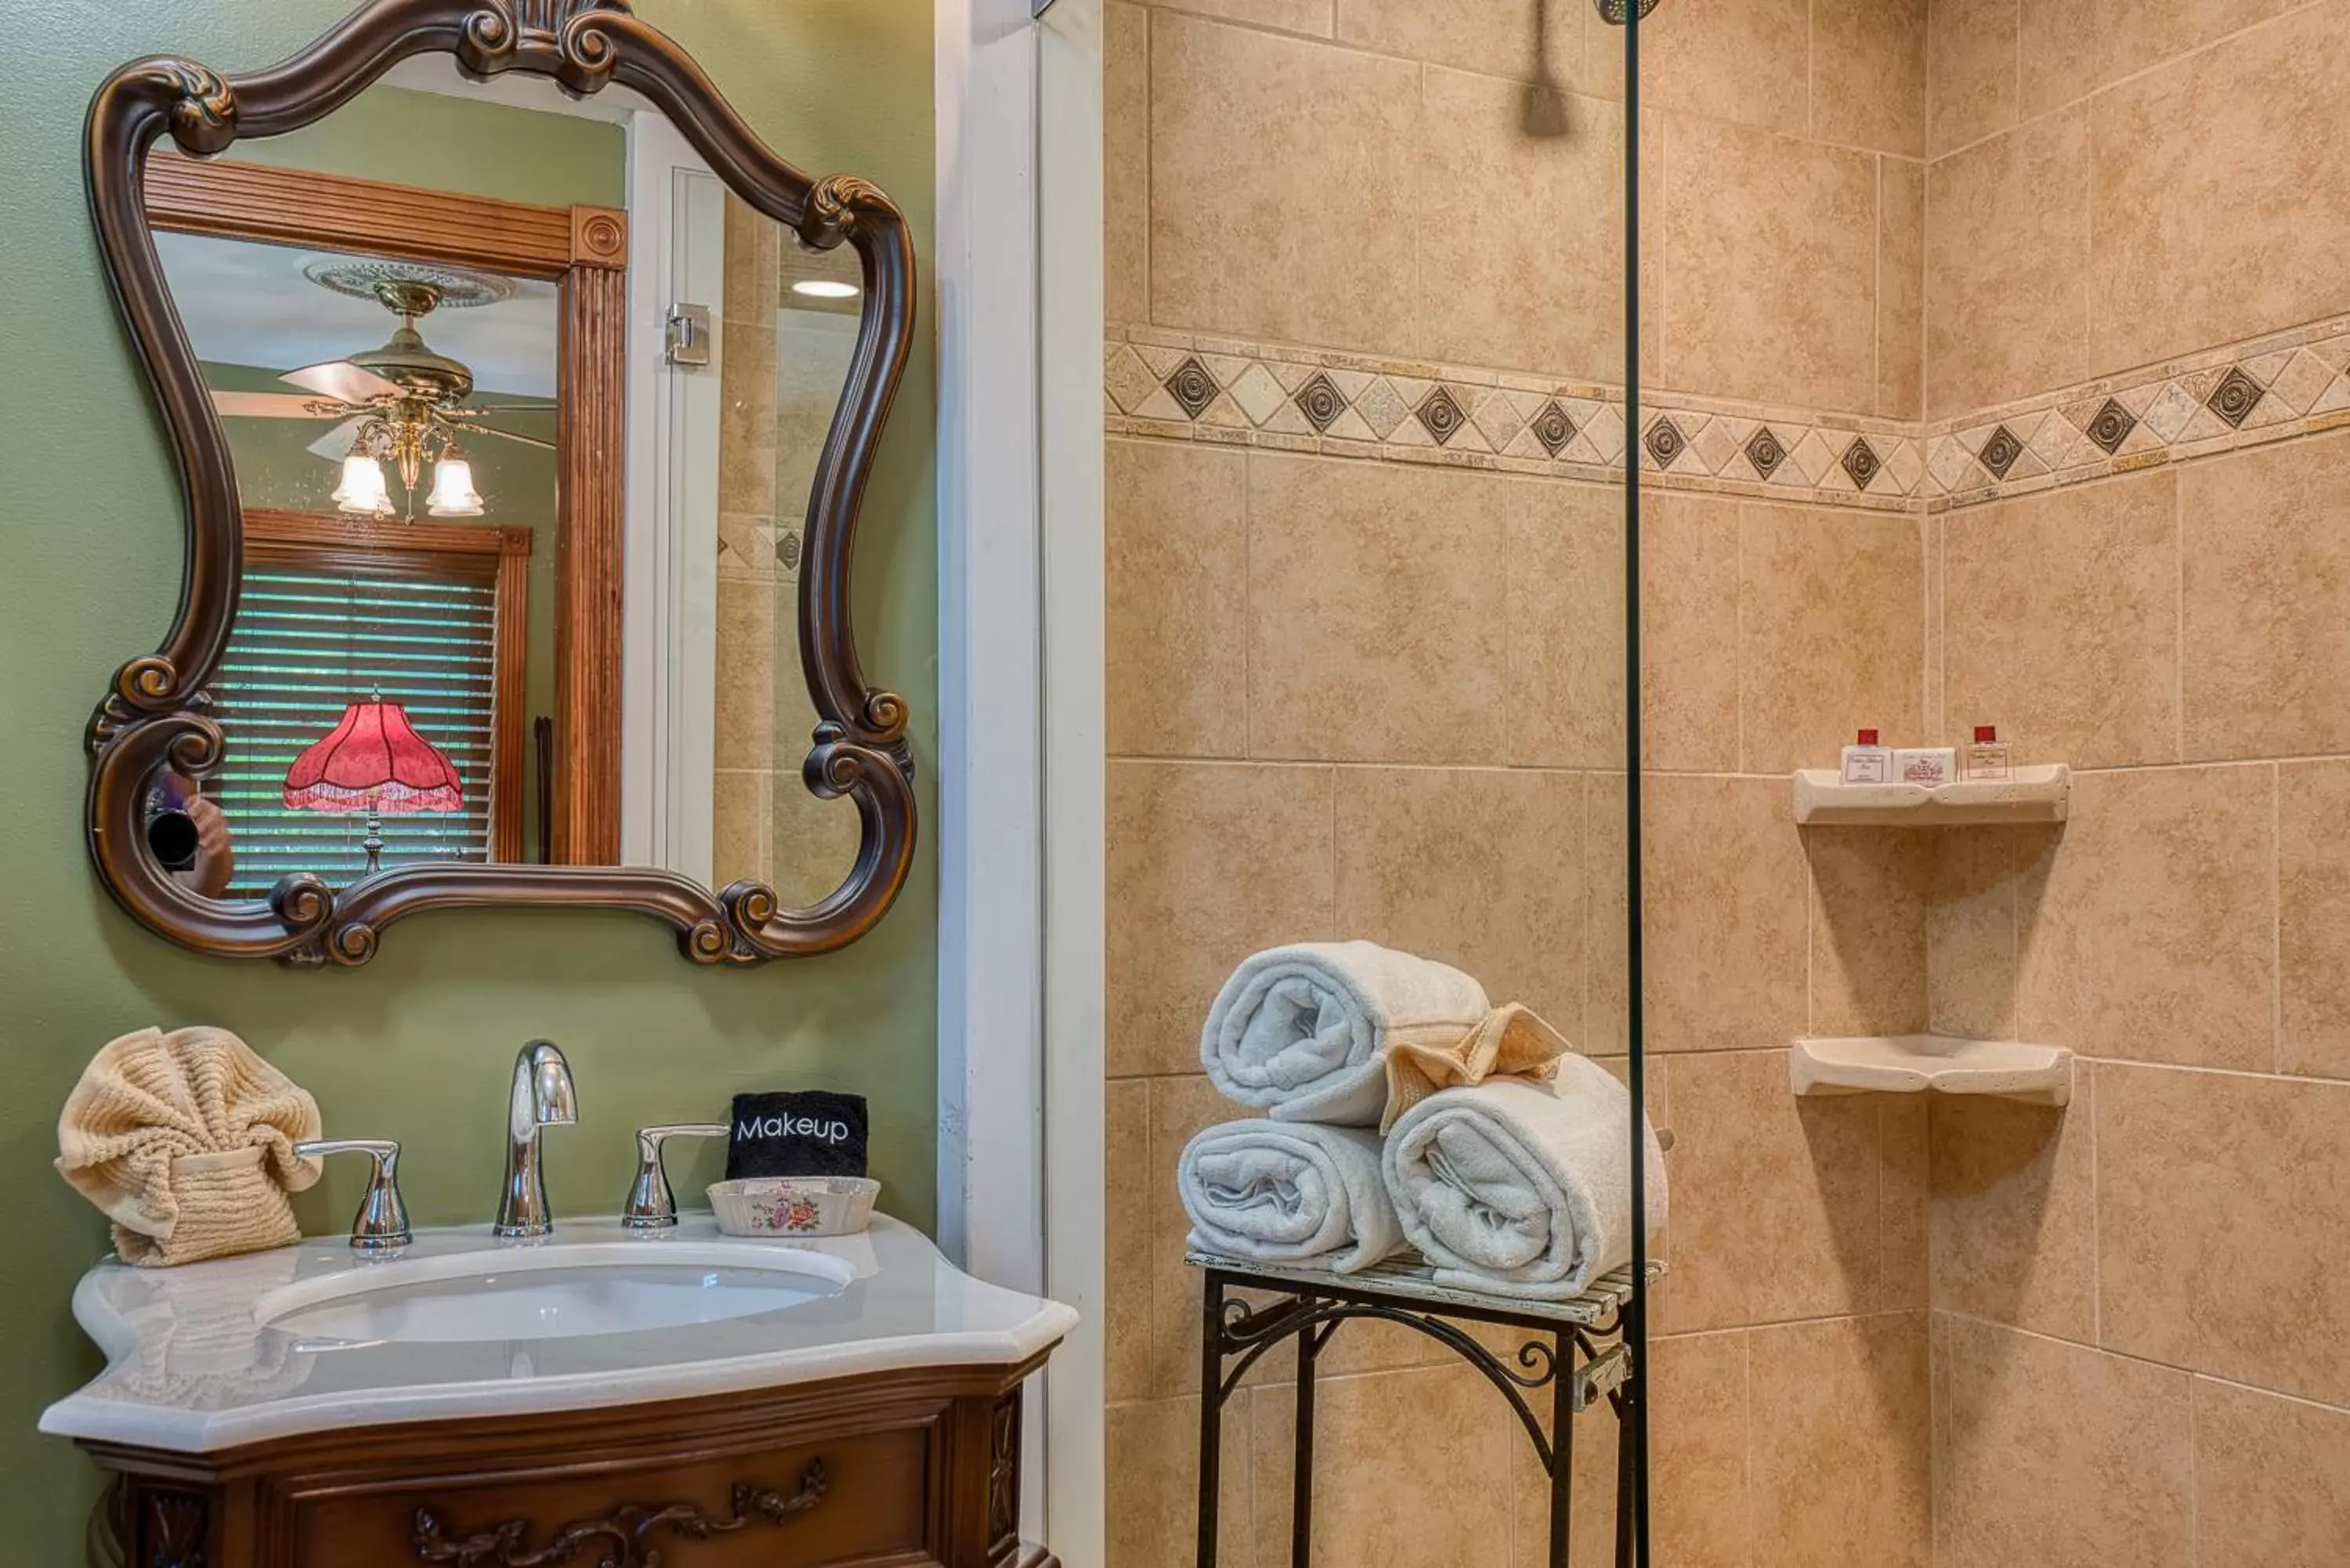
[[213, 1356]]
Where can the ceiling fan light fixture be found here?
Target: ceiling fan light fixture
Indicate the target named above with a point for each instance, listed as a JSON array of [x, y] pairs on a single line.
[[362, 490], [454, 494]]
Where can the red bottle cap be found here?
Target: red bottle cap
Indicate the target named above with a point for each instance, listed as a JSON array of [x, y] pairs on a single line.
[[1986, 734], [1869, 737]]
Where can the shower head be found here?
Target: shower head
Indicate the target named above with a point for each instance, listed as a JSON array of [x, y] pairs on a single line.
[[1613, 10]]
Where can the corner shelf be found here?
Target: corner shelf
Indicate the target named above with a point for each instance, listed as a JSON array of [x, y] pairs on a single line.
[[1912, 1064], [2032, 795]]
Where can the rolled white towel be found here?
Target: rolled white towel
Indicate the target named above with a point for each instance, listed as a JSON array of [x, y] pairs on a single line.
[[1519, 1189], [1289, 1192], [1300, 1031]]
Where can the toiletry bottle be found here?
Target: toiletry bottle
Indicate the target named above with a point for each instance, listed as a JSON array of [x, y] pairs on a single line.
[[1928, 765], [1987, 758], [1867, 763]]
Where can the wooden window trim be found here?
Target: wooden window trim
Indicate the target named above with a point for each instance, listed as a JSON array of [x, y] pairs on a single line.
[[584, 251], [332, 542]]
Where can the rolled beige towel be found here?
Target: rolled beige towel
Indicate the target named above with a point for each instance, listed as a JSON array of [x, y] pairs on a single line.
[[185, 1141]]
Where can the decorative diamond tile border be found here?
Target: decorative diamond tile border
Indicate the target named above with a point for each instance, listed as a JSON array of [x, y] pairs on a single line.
[[2246, 394], [1178, 386]]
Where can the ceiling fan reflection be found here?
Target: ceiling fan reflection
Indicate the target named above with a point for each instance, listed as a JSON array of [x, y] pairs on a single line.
[[401, 402]]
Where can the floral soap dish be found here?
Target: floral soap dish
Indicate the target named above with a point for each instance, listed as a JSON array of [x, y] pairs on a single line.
[[794, 1205]]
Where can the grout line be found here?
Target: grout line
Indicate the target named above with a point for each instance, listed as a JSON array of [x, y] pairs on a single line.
[[2088, 258], [2018, 62], [2194, 1476], [1746, 1400], [1877, 285], [2184, 1370], [1811, 68], [2087, 1072], [2179, 618], [1811, 894], [1150, 149], [2276, 918], [1590, 891], [1334, 849], [1738, 626], [1248, 602]]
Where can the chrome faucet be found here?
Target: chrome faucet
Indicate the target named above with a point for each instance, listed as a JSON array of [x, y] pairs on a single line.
[[542, 1097]]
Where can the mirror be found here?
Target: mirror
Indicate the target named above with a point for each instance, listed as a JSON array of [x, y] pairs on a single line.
[[438, 648]]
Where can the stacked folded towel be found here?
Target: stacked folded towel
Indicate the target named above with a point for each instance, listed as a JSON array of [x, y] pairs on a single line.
[[1519, 1189], [1303, 1031], [1505, 1160], [1281, 1192]]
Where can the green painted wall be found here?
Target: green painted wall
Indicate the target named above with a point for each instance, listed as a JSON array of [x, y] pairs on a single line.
[[431, 139], [416, 1046]]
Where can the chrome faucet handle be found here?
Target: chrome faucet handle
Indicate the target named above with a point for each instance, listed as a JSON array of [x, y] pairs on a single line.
[[651, 1206], [382, 1220]]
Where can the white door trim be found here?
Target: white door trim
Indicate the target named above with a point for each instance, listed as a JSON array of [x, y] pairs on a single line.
[[1018, 297], [669, 672], [1070, 260]]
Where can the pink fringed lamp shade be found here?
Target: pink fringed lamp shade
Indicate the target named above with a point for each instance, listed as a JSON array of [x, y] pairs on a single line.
[[374, 759]]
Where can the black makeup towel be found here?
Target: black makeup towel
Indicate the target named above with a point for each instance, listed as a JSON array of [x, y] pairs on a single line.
[[799, 1132]]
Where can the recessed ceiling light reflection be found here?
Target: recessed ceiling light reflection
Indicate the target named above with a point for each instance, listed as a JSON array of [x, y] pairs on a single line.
[[824, 288]]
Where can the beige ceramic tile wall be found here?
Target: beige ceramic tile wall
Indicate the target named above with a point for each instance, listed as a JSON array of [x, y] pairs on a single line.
[[2147, 1285], [1356, 174], [1387, 701], [2118, 182], [2140, 1302]]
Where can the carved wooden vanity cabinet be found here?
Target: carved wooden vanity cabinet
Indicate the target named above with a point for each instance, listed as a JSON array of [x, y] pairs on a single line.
[[901, 1467]]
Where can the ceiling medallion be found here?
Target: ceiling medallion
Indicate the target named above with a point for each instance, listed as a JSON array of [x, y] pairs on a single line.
[[363, 277]]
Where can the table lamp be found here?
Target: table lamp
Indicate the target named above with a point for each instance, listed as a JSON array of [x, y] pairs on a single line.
[[373, 760]]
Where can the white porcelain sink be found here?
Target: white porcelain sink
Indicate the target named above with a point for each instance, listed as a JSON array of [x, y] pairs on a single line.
[[558, 1294], [462, 1324]]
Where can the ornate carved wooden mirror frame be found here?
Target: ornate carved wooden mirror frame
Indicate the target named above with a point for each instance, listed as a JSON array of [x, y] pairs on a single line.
[[154, 716]]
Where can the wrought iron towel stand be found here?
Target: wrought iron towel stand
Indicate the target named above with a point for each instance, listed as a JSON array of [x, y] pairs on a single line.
[[1578, 1354]]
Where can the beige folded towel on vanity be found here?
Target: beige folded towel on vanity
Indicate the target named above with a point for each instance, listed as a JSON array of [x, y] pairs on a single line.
[[1514, 1042], [185, 1141]]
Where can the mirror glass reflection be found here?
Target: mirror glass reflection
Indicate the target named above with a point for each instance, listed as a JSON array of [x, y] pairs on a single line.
[[421, 578]]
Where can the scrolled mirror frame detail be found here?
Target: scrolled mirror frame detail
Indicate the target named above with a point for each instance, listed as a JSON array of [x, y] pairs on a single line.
[[154, 716]]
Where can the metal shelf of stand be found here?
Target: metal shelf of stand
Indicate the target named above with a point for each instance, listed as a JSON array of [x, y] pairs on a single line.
[[1583, 1361]]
